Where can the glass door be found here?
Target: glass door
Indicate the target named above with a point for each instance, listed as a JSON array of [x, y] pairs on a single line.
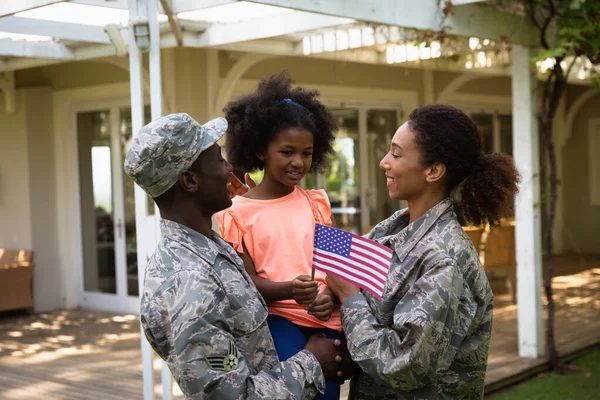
[[381, 126], [342, 178], [109, 259]]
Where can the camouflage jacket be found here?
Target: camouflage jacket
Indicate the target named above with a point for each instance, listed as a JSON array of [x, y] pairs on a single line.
[[429, 335], [203, 315]]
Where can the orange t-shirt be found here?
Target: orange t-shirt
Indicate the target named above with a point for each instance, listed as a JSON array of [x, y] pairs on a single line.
[[279, 236]]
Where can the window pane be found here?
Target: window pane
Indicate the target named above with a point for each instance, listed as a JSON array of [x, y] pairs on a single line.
[[342, 176], [96, 197], [381, 126]]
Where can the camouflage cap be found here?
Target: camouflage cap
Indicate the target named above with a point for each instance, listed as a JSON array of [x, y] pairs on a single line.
[[168, 146]]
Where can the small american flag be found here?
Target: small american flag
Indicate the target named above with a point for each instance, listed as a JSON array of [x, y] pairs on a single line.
[[360, 261]]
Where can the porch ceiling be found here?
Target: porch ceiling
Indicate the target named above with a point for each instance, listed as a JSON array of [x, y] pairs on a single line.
[[39, 32]]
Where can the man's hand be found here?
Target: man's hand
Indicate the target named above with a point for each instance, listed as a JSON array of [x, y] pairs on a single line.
[[333, 357], [304, 289], [322, 307], [237, 188], [341, 288]]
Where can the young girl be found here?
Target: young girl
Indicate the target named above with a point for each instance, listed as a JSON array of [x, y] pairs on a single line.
[[287, 133]]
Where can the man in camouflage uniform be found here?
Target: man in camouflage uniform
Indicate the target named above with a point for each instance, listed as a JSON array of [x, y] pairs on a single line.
[[429, 335], [199, 309]]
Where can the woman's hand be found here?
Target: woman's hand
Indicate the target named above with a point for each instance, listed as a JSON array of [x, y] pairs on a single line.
[[304, 289], [341, 288], [322, 307], [237, 188]]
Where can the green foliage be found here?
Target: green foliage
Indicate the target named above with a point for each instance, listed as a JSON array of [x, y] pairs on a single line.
[[577, 27], [582, 385]]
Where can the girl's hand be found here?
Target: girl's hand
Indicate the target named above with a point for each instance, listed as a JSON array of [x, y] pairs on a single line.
[[304, 289], [237, 188], [341, 288], [322, 307]]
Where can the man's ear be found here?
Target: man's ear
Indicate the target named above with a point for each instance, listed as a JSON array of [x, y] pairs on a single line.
[[435, 172], [189, 181]]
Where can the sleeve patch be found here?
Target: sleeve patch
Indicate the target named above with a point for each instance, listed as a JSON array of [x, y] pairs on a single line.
[[228, 362]]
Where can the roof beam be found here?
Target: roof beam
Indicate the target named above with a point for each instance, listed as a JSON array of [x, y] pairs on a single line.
[[9, 7], [261, 28], [58, 30], [48, 53], [468, 19], [180, 6], [21, 48], [119, 4], [173, 21], [461, 2]]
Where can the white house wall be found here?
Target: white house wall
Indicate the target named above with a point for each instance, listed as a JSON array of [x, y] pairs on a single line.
[[582, 218], [15, 213], [28, 188]]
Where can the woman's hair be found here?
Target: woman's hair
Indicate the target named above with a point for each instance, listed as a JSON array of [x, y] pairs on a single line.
[[255, 118], [487, 182]]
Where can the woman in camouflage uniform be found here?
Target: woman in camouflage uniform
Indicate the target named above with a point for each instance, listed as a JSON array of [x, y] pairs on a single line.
[[428, 337]]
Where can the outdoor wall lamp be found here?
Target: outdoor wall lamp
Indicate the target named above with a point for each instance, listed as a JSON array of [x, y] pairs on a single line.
[[141, 32]]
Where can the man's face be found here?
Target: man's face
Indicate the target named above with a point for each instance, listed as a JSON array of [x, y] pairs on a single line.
[[213, 174]]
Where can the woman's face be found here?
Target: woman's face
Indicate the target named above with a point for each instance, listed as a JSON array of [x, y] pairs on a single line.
[[406, 176]]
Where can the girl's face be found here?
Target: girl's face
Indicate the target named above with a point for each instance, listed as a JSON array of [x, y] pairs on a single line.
[[406, 176], [288, 156]]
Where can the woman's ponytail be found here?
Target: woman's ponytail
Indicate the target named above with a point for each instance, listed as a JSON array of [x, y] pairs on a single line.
[[488, 192]]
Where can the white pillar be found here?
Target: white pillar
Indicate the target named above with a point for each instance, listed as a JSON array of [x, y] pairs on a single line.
[[527, 207], [141, 209], [156, 112]]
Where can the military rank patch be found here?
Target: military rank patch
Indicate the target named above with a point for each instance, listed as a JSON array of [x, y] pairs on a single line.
[[228, 362]]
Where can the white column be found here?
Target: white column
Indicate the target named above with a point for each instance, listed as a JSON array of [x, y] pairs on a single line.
[[527, 207], [156, 112], [141, 209]]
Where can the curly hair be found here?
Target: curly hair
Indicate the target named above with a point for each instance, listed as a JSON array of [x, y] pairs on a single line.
[[487, 183], [255, 119]]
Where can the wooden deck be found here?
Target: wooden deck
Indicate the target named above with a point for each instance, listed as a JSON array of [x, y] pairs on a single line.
[[79, 354]]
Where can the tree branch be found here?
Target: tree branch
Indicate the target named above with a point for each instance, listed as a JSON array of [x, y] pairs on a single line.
[[531, 6], [570, 67]]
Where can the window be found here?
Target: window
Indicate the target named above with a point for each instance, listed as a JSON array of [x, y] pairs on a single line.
[[496, 131]]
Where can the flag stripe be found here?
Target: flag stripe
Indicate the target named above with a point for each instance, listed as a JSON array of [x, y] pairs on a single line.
[[372, 251], [361, 268], [335, 261], [350, 278], [385, 251], [385, 260], [368, 260]]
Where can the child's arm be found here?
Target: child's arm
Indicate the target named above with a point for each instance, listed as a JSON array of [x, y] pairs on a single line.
[[302, 289]]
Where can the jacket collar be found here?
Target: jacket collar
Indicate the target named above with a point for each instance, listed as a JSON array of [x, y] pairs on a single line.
[[403, 237], [204, 247]]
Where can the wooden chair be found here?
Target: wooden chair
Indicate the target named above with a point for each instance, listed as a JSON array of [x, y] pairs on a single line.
[[16, 279], [500, 255]]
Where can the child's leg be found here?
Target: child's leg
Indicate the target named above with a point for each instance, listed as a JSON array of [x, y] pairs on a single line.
[[332, 388], [287, 336]]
